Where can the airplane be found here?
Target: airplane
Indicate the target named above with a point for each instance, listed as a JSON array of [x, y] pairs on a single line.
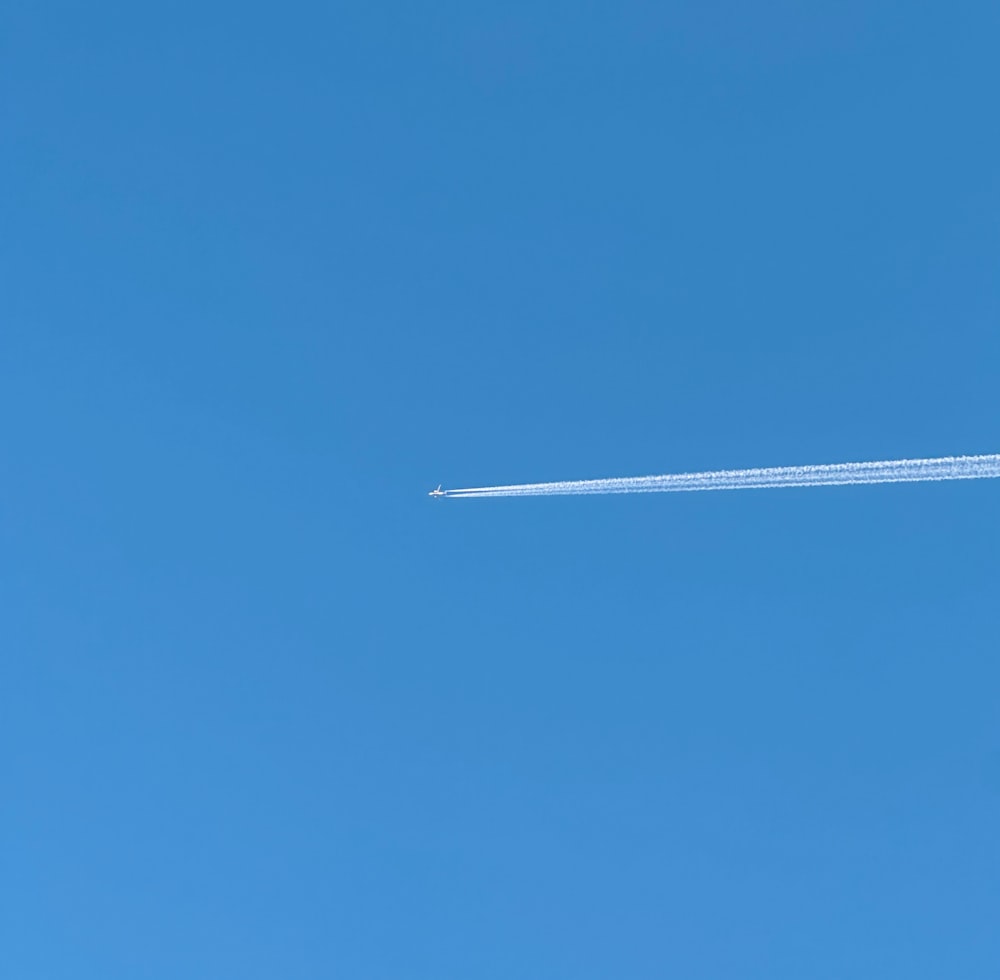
[[438, 493]]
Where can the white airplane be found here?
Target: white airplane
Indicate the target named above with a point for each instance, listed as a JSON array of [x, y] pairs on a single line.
[[438, 493]]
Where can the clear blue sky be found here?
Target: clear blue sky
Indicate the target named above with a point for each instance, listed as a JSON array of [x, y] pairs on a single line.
[[271, 274]]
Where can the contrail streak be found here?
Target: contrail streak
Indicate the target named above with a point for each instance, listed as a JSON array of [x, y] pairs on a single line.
[[891, 471]]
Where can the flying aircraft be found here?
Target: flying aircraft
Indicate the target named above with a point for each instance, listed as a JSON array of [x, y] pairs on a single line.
[[438, 493]]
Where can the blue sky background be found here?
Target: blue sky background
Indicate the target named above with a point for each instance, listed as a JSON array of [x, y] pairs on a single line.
[[270, 275]]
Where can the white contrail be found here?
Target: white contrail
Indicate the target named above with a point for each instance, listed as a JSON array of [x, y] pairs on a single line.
[[892, 471]]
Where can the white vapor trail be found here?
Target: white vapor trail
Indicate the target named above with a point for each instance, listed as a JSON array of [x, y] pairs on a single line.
[[892, 471]]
